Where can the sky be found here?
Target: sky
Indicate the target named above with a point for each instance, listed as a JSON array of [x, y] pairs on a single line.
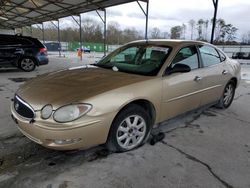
[[165, 14]]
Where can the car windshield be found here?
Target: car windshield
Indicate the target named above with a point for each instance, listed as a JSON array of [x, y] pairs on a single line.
[[143, 59]]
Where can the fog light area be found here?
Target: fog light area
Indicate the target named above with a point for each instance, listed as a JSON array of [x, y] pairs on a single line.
[[66, 141]]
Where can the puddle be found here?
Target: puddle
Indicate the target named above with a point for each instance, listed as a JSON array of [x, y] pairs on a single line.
[[19, 79]]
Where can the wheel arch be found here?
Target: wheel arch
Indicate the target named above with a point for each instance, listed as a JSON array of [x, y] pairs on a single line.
[[145, 104], [30, 57], [234, 79]]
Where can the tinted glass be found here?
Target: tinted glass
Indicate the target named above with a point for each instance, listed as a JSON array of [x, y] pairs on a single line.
[[9, 40], [23, 41], [144, 59], [187, 56], [209, 56]]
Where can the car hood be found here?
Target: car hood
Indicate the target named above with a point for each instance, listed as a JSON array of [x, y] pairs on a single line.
[[73, 85]]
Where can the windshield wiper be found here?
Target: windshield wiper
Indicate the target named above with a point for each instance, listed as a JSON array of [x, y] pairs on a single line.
[[102, 66]]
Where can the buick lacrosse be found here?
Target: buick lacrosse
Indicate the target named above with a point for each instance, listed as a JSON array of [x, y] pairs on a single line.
[[117, 100]]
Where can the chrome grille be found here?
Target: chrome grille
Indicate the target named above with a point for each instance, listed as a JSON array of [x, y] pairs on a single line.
[[23, 108]]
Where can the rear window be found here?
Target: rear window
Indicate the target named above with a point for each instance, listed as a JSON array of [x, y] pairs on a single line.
[[36, 42]]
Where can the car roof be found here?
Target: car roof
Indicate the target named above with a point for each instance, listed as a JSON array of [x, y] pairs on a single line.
[[169, 42], [35, 41]]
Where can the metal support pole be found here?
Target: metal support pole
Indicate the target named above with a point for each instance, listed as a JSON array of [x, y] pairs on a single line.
[[80, 31], [215, 2], [80, 28], [31, 30], [59, 38], [146, 15], [146, 29], [105, 32], [43, 33], [105, 29]]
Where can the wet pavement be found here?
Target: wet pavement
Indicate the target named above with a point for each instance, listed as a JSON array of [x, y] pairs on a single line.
[[205, 148]]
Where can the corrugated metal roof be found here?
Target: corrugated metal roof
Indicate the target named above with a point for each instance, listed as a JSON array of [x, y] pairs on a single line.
[[19, 13]]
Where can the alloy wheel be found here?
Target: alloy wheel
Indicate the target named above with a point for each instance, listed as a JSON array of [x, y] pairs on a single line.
[[228, 94], [27, 64], [131, 132]]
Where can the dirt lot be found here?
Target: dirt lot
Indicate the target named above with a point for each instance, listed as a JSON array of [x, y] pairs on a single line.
[[206, 148]]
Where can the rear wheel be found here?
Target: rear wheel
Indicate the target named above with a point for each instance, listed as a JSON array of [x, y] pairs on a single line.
[[129, 130], [227, 96], [27, 64]]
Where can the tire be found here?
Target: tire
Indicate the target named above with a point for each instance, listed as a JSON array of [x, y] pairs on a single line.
[[27, 64], [227, 96], [129, 130]]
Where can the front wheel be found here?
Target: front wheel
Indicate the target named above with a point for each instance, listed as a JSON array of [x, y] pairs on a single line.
[[27, 64], [129, 130], [227, 96]]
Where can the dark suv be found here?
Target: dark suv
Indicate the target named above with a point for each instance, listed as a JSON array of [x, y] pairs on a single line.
[[22, 52]]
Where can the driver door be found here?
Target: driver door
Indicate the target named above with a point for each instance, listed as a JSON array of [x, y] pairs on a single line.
[[182, 91]]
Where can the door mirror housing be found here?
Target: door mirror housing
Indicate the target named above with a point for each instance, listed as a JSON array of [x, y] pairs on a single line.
[[181, 68]]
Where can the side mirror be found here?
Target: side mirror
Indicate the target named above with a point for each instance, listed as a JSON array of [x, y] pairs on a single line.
[[179, 68]]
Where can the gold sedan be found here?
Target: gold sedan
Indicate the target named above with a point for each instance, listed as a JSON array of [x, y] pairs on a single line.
[[119, 99]]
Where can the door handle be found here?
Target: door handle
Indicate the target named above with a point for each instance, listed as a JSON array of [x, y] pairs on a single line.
[[224, 72], [197, 78]]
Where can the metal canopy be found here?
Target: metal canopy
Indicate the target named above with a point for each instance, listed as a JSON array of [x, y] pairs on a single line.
[[20, 13]]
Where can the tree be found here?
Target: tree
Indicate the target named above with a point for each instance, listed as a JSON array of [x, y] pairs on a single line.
[[231, 32], [114, 33], [184, 28], [92, 30], [166, 35], [246, 38], [200, 28], [206, 23], [176, 32], [219, 29], [224, 32], [130, 34], [191, 24], [156, 33]]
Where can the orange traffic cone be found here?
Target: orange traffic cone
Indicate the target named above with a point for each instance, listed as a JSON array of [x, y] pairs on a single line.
[[79, 53]]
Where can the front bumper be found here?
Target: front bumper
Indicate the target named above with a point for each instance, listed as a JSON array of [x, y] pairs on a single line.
[[88, 134]]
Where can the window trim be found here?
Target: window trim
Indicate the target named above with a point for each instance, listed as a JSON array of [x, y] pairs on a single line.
[[221, 52], [198, 57]]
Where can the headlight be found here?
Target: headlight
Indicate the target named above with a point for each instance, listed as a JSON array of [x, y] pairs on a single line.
[[46, 111], [71, 112]]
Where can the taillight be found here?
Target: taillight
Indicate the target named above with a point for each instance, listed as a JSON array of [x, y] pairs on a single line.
[[43, 50]]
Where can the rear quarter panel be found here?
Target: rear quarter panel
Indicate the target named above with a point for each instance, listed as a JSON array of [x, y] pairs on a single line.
[[234, 69]]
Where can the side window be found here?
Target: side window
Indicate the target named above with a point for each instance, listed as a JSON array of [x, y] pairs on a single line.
[[7, 40], [188, 56], [14, 41], [25, 42], [209, 56]]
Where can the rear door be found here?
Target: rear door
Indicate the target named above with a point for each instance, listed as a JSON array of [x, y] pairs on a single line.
[[182, 91], [214, 73], [10, 50]]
